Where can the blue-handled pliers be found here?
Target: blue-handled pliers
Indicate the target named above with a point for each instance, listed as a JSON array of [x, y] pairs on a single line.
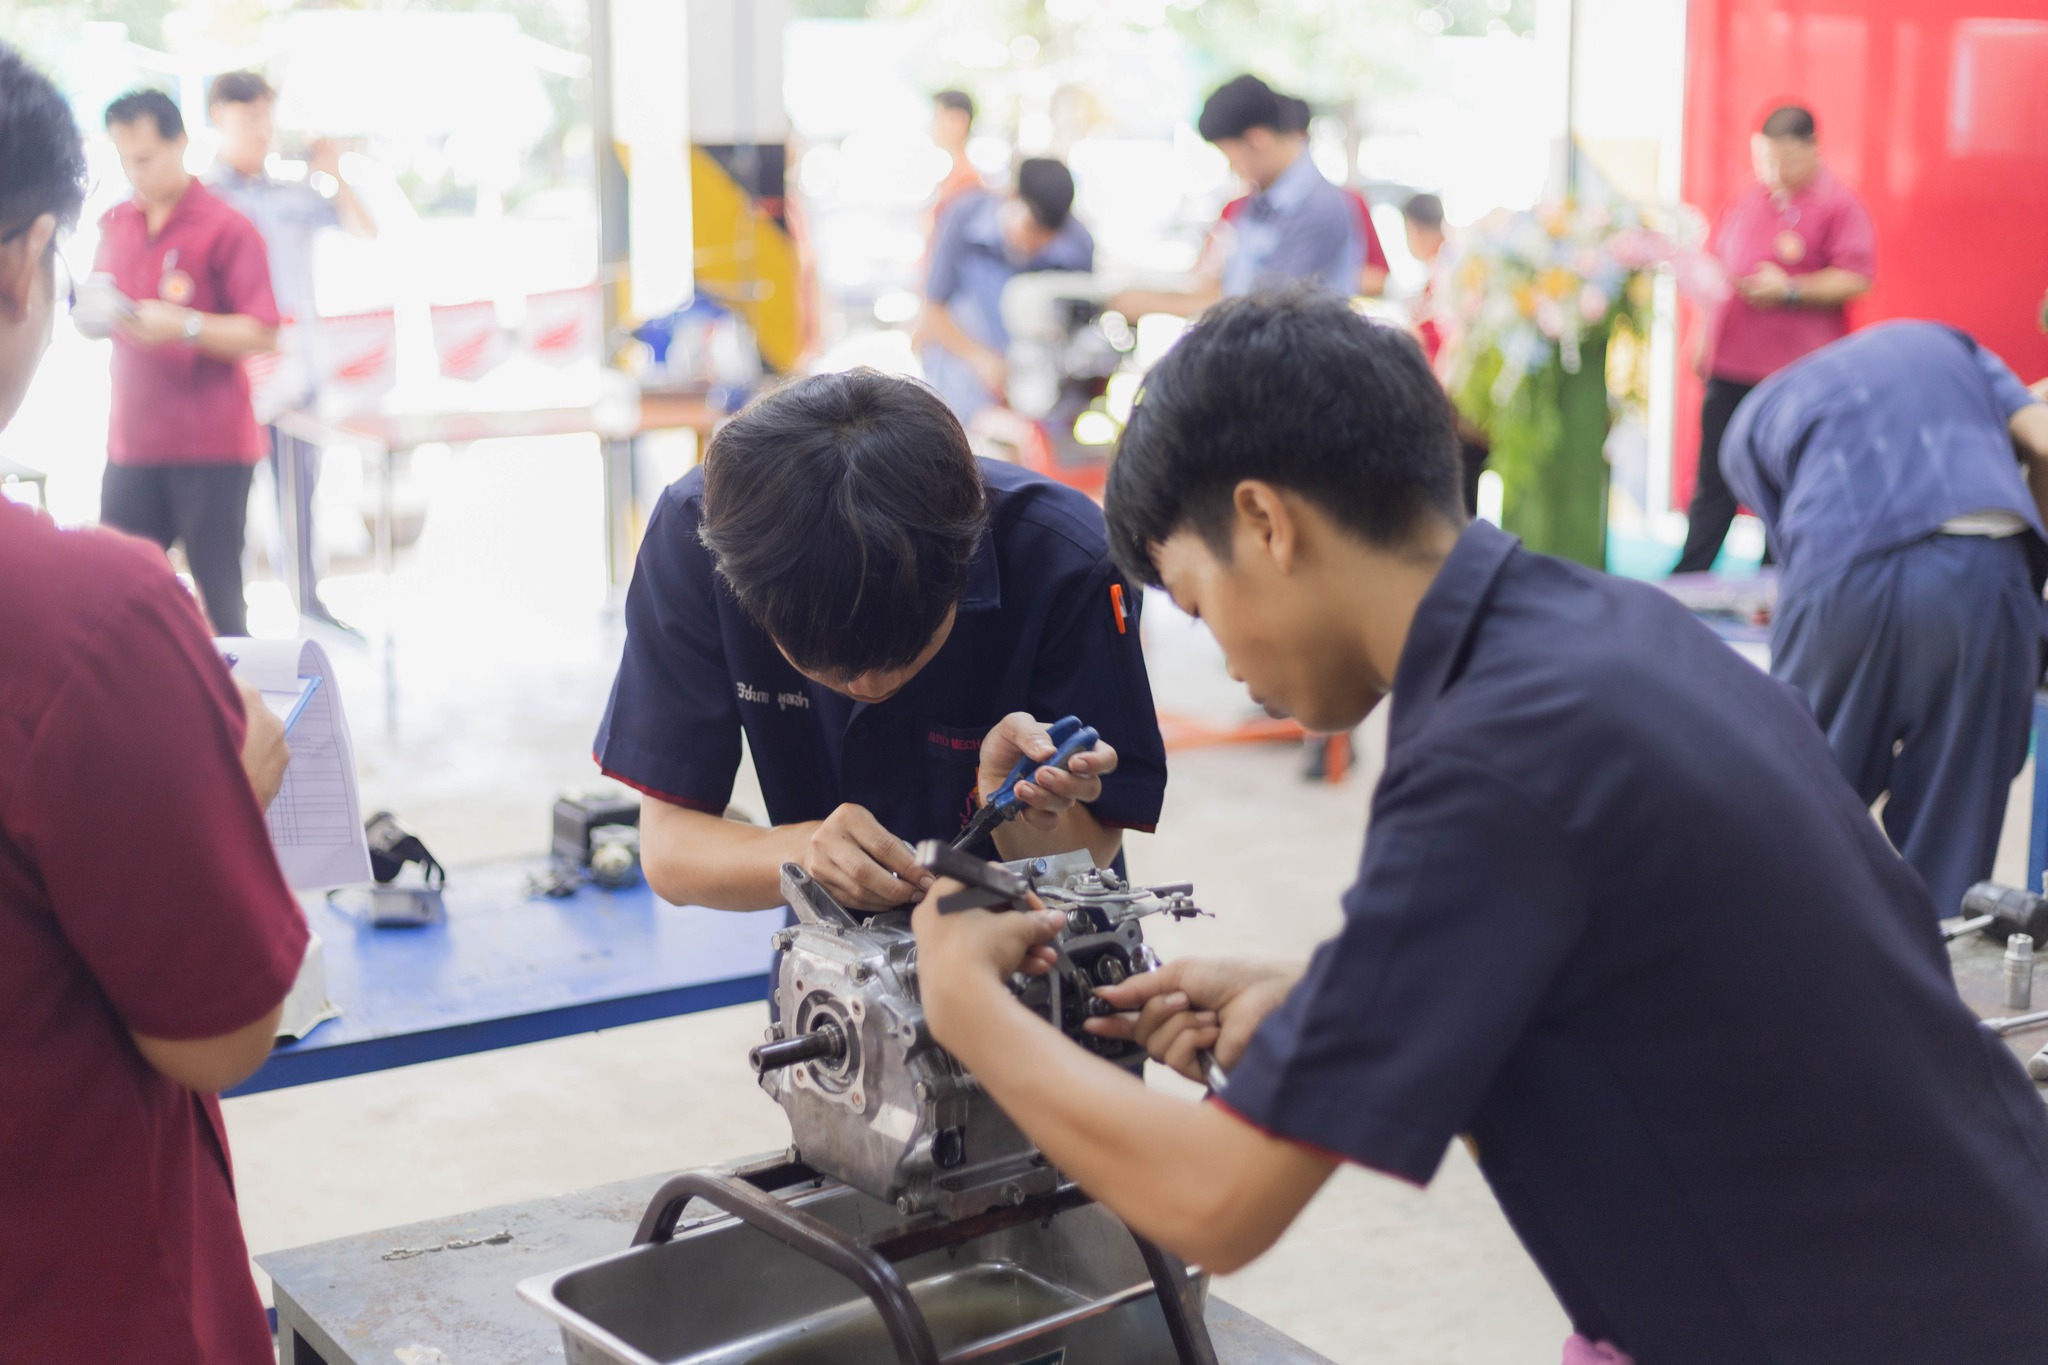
[[1069, 736]]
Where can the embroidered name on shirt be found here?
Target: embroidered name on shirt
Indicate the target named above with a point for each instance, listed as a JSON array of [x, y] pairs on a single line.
[[965, 746], [782, 701]]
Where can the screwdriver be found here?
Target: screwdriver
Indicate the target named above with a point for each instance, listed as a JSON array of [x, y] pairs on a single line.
[[1069, 736]]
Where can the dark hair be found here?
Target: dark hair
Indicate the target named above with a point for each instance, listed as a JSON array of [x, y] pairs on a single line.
[[1791, 120], [1294, 114], [1047, 188], [1296, 389], [959, 101], [1425, 211], [239, 87], [842, 511], [39, 146], [155, 105], [1238, 106]]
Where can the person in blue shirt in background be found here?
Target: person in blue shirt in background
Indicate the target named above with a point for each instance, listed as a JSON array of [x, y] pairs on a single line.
[[1294, 227], [1901, 474], [984, 241], [289, 214]]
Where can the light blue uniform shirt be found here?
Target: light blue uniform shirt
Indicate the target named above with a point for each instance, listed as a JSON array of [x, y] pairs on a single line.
[[288, 216], [970, 264], [1300, 227]]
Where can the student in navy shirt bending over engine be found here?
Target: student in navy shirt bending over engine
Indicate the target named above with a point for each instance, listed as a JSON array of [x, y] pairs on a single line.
[[891, 624], [1900, 474], [1619, 920]]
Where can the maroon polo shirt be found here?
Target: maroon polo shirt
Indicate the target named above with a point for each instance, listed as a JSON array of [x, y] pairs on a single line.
[[138, 894], [171, 403], [1821, 224]]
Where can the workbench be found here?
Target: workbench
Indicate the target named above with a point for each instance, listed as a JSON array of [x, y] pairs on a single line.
[[344, 1303], [506, 967], [395, 436]]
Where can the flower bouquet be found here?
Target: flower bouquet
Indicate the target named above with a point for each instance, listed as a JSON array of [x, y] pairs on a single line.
[[1543, 305]]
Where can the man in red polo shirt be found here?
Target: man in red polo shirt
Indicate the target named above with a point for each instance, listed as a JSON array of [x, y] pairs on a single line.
[[147, 938], [183, 439], [1798, 245]]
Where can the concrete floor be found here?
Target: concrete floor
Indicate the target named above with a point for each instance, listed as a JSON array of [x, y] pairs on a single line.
[[504, 653]]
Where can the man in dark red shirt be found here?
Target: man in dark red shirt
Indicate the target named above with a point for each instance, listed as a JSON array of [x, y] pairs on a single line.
[[1798, 245], [183, 439], [147, 938]]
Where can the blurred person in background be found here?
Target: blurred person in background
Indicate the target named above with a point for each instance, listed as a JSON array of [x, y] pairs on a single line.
[[1901, 475], [289, 214], [182, 439], [984, 241], [1372, 276], [147, 938], [1422, 222], [952, 124], [1293, 226], [1798, 245]]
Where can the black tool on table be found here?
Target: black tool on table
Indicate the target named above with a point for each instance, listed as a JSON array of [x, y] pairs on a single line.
[[1999, 912], [1070, 736]]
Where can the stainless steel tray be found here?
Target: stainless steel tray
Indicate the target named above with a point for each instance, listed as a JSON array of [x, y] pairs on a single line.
[[1072, 1289]]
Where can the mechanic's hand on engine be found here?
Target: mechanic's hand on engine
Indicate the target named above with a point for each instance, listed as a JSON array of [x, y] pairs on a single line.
[[264, 751], [964, 953], [1048, 791], [860, 864], [1195, 1003]]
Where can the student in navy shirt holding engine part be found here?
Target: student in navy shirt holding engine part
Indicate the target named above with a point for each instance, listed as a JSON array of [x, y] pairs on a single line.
[[891, 624], [1619, 921], [1887, 469]]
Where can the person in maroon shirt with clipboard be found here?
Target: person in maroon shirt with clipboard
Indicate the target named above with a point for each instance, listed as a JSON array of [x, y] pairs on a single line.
[[147, 938]]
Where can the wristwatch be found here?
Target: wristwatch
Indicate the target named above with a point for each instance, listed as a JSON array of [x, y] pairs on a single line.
[[194, 320]]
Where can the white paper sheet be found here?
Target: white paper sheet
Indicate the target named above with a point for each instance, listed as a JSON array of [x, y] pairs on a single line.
[[316, 822]]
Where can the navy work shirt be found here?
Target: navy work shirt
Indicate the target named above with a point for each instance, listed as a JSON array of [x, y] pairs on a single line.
[[1620, 919], [1037, 630], [1873, 442]]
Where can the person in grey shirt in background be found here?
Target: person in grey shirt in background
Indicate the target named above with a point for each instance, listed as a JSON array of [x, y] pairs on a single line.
[[1294, 226], [243, 107]]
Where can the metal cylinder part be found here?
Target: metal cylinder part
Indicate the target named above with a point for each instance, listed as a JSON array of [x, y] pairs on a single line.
[[2019, 971], [826, 1040]]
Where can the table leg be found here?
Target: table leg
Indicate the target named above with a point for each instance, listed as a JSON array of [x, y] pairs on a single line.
[[300, 1341], [386, 554], [618, 455], [2037, 843], [284, 464]]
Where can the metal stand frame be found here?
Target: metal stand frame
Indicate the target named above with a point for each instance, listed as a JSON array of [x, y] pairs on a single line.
[[749, 1195]]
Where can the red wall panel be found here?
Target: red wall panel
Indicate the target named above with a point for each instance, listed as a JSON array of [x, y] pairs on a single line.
[[1936, 111]]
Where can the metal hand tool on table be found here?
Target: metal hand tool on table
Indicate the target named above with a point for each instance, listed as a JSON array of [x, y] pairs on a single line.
[[1999, 912], [1069, 736]]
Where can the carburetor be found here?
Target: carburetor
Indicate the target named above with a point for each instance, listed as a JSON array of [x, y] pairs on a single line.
[[872, 1100]]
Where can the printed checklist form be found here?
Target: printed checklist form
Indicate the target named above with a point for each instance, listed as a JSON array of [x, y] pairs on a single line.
[[316, 822]]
